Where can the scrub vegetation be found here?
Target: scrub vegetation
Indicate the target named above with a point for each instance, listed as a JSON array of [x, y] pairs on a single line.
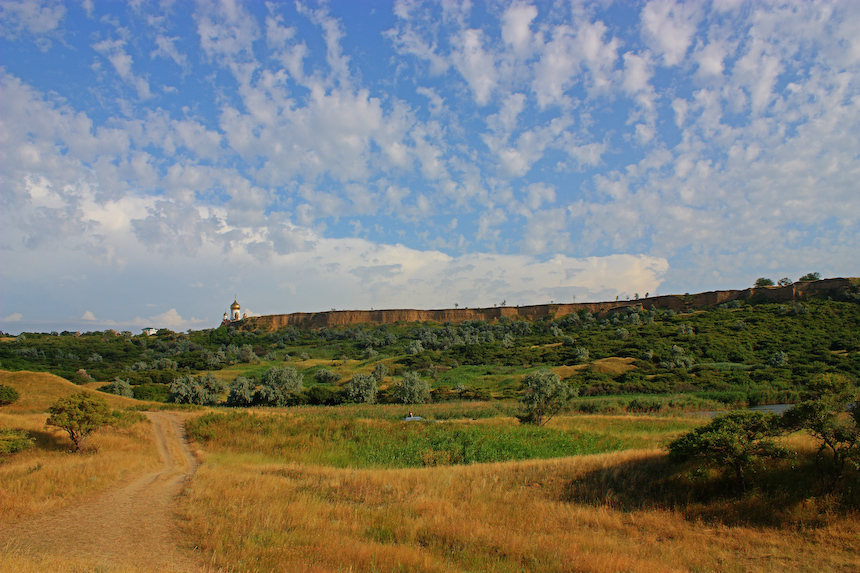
[[742, 353], [584, 443]]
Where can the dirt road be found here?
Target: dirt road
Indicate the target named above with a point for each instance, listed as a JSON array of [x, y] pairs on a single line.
[[131, 528]]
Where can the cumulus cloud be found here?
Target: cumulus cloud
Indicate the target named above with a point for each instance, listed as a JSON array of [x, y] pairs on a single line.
[[459, 138], [34, 16], [668, 27]]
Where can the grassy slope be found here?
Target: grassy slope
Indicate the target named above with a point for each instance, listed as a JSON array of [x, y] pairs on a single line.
[[256, 511], [39, 390], [257, 507], [48, 476]]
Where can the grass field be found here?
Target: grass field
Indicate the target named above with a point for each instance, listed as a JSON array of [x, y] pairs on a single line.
[[355, 488], [48, 476]]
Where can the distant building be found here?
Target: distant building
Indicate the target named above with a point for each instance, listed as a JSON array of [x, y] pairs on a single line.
[[234, 314], [149, 331]]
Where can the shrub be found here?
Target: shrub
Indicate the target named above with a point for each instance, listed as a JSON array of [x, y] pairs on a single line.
[[204, 390], [778, 359], [324, 376], [8, 395], [823, 414], [380, 371], [734, 441], [13, 441], [361, 389], [152, 392], [412, 389], [543, 396], [241, 392], [279, 386], [119, 387]]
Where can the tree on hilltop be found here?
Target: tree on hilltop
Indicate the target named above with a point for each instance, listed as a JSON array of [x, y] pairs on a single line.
[[809, 277], [763, 282]]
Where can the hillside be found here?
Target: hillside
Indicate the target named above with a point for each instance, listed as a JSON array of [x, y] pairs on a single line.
[[39, 390], [737, 347], [678, 303]]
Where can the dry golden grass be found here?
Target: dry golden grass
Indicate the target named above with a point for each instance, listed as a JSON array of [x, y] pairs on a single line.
[[48, 476], [39, 390], [565, 372], [246, 513], [258, 516], [613, 366], [20, 562]]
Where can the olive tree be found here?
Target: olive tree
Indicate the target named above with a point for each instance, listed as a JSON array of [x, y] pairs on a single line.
[[325, 376], [79, 415], [412, 389], [241, 392], [380, 371], [763, 282], [279, 386], [362, 389], [544, 394], [119, 387], [203, 390], [734, 441]]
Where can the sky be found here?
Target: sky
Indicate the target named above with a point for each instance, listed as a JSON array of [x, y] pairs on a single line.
[[160, 158]]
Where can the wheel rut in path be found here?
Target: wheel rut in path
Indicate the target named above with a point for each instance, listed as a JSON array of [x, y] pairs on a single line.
[[129, 528]]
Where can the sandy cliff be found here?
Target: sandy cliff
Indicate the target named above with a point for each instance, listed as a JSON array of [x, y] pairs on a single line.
[[796, 291]]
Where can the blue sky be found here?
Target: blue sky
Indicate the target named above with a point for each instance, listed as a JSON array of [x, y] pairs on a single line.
[[158, 158]]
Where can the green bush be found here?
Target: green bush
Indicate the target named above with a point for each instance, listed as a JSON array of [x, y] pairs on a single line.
[[8, 395], [734, 441], [12, 441]]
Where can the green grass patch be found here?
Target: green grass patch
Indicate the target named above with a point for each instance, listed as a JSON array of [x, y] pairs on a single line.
[[378, 443], [412, 445]]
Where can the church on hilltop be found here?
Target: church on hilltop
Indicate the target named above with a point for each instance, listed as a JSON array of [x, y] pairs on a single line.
[[234, 314]]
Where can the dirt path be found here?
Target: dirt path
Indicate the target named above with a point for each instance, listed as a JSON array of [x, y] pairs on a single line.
[[130, 528]]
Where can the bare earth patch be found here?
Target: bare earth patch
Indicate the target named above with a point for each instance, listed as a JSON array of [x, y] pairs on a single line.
[[130, 528]]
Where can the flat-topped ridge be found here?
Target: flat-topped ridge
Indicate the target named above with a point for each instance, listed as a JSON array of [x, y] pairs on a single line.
[[678, 303]]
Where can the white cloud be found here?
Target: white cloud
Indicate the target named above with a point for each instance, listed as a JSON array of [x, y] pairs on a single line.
[[226, 30], [170, 319], [35, 16], [14, 317], [476, 65], [668, 27], [516, 27], [122, 62], [167, 49]]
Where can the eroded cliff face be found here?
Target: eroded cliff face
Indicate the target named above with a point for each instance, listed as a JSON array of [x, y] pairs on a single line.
[[678, 303]]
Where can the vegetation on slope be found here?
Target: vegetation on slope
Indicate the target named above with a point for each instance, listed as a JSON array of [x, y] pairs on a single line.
[[742, 353]]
